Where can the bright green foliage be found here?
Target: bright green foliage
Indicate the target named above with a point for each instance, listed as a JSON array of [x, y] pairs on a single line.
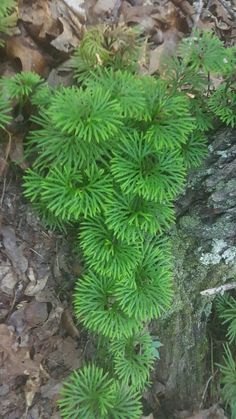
[[96, 305], [148, 293], [70, 193], [228, 380], [55, 147], [141, 170], [204, 51], [5, 109], [166, 111], [131, 217], [133, 359], [88, 394], [194, 150], [223, 103], [105, 47], [106, 254], [110, 157], [124, 87], [91, 394], [87, 114], [127, 403], [42, 95], [8, 18], [227, 313], [202, 113], [21, 86], [226, 310]]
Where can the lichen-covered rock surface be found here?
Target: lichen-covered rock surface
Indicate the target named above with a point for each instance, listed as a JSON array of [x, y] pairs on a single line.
[[205, 257]]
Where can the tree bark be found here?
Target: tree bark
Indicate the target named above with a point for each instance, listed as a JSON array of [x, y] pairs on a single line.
[[205, 254]]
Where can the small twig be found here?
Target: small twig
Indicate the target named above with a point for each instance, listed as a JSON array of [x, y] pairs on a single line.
[[219, 290], [34, 251], [3, 190], [198, 8], [205, 390]]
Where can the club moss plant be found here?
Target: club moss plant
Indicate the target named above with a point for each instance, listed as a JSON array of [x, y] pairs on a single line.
[[110, 156]]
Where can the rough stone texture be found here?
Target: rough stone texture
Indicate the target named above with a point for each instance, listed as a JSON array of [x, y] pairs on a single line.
[[205, 257]]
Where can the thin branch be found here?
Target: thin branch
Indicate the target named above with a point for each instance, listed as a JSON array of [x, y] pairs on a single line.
[[198, 7], [219, 290]]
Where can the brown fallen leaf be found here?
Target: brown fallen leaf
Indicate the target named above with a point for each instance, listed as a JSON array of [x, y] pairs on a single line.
[[51, 390], [135, 14], [167, 48], [35, 313], [17, 151], [8, 279], [27, 52], [104, 7], [66, 355], [15, 361], [35, 286], [38, 17], [72, 17], [68, 324], [32, 386], [14, 251], [185, 7]]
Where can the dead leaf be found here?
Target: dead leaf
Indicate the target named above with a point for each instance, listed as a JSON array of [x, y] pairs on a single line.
[[27, 52], [66, 41], [15, 360], [8, 279], [60, 77], [13, 251], [135, 14], [72, 18], [35, 313], [62, 20], [51, 326], [31, 387], [77, 7], [51, 390], [39, 15], [66, 355], [17, 319], [167, 48], [104, 7], [34, 287], [185, 7], [17, 151], [224, 14], [68, 324]]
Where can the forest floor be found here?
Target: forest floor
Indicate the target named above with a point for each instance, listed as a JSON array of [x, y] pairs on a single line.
[[40, 343]]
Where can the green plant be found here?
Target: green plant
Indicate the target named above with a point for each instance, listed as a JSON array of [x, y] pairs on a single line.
[[226, 310], [105, 47], [133, 358], [8, 17], [228, 380], [97, 307], [92, 394], [226, 307], [5, 109], [110, 157]]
